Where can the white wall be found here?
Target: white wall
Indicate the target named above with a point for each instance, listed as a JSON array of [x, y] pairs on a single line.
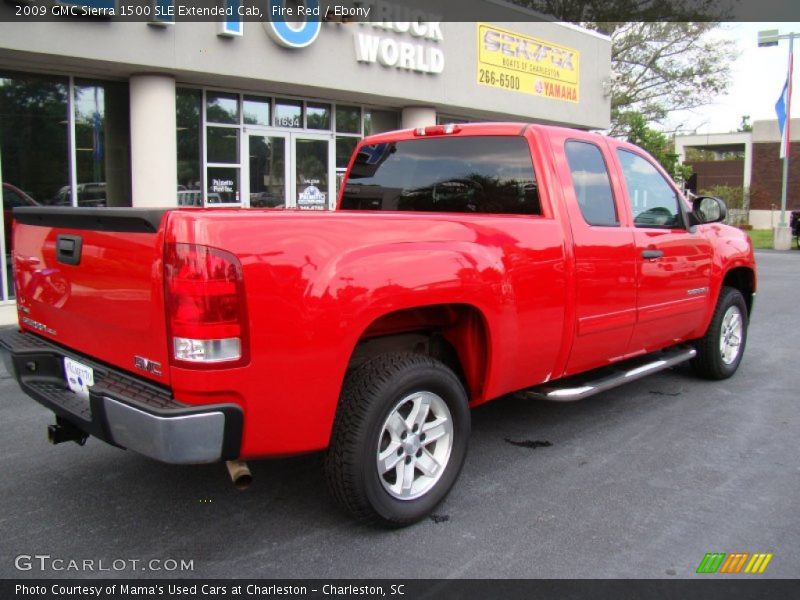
[[154, 154], [8, 314]]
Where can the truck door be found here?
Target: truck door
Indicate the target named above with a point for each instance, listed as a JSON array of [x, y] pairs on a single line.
[[673, 264], [605, 258]]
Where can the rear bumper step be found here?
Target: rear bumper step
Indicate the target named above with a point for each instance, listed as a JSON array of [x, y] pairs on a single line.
[[123, 410], [588, 384]]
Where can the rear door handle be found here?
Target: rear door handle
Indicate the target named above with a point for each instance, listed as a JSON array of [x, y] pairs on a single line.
[[652, 254]]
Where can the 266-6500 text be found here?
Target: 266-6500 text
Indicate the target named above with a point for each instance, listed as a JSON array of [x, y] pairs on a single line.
[[499, 79]]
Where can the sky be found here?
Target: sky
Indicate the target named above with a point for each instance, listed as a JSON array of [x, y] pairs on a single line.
[[758, 75]]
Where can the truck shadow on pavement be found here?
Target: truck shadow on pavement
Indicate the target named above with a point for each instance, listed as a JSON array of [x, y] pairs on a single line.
[[137, 505]]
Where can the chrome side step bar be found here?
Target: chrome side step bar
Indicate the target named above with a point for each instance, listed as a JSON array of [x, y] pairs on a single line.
[[588, 384]]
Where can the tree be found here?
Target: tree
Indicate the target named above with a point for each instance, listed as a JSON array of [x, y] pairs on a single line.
[[662, 57], [661, 67], [657, 144], [615, 11], [745, 125]]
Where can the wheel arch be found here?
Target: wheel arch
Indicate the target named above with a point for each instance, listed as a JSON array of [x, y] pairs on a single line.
[[744, 280], [456, 334]]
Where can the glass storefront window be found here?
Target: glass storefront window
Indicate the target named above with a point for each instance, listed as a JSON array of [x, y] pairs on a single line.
[[380, 121], [33, 149], [318, 116], [34, 136], [267, 171], [222, 108], [256, 111], [344, 150], [222, 144], [102, 147], [223, 185], [445, 120], [289, 113], [188, 104], [348, 119]]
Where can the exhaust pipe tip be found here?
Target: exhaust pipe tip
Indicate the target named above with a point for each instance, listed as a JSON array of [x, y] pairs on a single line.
[[240, 474]]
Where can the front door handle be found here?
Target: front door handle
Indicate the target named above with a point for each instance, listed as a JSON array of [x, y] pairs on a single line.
[[652, 254]]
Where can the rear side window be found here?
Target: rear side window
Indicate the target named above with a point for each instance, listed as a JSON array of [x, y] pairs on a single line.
[[478, 174], [591, 183]]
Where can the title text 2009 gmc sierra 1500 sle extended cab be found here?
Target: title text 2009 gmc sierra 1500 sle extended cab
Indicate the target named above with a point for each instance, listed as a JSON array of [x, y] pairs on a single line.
[[464, 262]]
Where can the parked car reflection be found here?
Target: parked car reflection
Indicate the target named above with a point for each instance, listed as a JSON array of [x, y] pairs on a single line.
[[90, 195]]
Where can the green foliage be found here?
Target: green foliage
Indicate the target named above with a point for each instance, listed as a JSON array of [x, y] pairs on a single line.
[[745, 125], [657, 144], [733, 196], [762, 239], [704, 155], [700, 155]]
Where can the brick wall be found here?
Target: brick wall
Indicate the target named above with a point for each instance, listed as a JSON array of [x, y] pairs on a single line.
[[718, 172], [765, 187]]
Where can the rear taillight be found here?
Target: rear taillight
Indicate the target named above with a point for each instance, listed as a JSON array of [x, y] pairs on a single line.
[[206, 312]]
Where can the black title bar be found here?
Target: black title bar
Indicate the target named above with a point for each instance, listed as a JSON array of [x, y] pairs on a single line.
[[166, 12]]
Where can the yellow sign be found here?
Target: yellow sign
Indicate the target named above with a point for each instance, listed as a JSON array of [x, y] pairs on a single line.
[[512, 61]]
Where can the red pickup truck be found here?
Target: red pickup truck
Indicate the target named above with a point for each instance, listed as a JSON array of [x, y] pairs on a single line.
[[464, 262]]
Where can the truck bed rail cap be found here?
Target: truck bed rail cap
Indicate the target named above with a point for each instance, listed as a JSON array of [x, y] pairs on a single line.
[[129, 220]]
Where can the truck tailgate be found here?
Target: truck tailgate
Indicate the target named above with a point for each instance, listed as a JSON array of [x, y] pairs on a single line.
[[91, 280]]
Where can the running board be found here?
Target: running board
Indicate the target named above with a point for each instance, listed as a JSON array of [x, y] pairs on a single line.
[[590, 383]]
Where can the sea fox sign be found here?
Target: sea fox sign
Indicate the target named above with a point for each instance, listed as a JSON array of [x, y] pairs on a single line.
[[512, 61]]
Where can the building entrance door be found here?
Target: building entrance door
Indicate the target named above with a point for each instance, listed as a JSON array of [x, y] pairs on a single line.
[[283, 169], [312, 171], [266, 170]]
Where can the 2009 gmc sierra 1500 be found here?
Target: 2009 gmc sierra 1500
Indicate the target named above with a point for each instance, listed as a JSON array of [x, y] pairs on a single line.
[[464, 262]]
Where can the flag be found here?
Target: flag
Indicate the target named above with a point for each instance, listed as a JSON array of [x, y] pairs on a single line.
[[784, 113]]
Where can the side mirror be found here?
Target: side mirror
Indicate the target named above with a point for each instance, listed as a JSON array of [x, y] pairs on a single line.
[[707, 209]]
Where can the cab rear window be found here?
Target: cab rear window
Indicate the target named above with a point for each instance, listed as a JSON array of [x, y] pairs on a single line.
[[469, 174]]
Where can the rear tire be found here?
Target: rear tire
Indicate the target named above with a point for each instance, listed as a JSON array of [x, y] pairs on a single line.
[[399, 439], [720, 350]]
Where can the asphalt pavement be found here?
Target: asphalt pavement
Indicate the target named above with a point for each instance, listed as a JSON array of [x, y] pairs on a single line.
[[639, 482]]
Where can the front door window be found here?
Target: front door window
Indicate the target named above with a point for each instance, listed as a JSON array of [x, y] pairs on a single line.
[[653, 201]]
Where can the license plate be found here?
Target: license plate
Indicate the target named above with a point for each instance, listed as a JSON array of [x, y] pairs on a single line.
[[79, 377]]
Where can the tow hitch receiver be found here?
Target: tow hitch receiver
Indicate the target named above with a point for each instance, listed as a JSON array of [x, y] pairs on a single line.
[[64, 431]]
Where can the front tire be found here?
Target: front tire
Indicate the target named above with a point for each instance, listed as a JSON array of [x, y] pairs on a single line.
[[720, 350], [399, 439]]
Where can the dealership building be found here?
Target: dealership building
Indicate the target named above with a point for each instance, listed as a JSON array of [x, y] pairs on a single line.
[[101, 112]]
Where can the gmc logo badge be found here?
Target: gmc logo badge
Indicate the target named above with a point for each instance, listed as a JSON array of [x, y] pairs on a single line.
[[147, 365]]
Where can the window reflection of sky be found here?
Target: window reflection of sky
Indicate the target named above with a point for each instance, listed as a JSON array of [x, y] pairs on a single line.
[[89, 100]]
